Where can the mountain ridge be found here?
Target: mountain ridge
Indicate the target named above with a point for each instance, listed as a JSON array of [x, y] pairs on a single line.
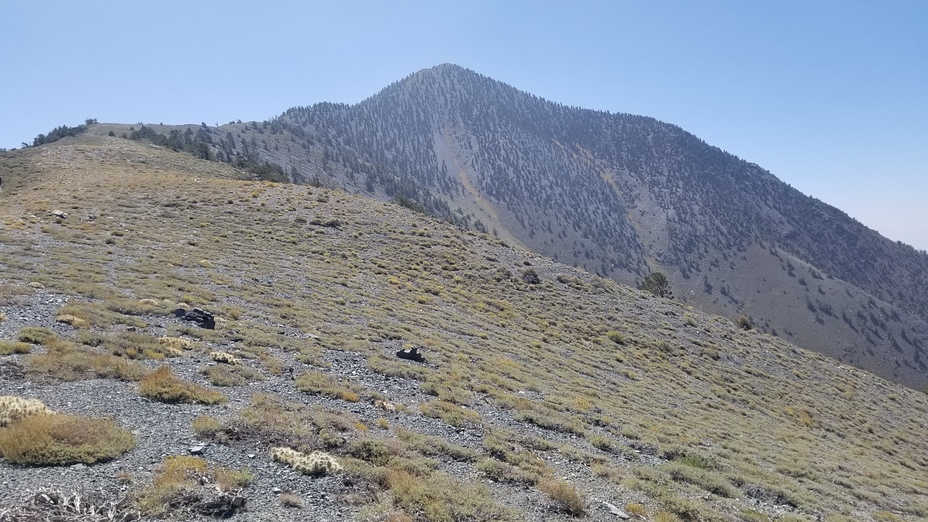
[[546, 391], [621, 195], [617, 194]]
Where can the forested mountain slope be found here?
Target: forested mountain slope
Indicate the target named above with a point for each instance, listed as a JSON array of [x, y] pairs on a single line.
[[619, 195]]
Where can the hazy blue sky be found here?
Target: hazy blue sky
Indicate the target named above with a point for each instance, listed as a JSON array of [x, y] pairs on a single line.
[[830, 96]]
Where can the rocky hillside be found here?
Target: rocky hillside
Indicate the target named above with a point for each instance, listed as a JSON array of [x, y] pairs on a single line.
[[545, 393], [623, 195], [616, 194]]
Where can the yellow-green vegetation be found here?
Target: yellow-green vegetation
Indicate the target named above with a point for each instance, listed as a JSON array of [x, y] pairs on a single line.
[[179, 476], [162, 385], [449, 412], [206, 426], [322, 384], [36, 335], [66, 361], [697, 416], [432, 446], [8, 347], [231, 375], [441, 498], [130, 345], [564, 496], [272, 421], [111, 312], [59, 439]]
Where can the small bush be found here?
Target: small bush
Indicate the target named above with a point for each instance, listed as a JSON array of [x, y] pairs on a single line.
[[499, 471], [290, 500], [636, 510], [81, 315], [206, 426], [162, 385], [616, 337], [452, 414], [564, 497], [432, 446], [35, 335], [8, 347], [182, 479], [225, 375], [61, 440], [64, 361], [743, 322], [439, 497], [530, 276], [321, 384], [664, 516], [707, 480]]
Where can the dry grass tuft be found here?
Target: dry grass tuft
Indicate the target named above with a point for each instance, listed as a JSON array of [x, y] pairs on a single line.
[[290, 500], [36, 335], [74, 321], [564, 496], [162, 385], [60, 440], [184, 480], [321, 384], [9, 347], [65, 361]]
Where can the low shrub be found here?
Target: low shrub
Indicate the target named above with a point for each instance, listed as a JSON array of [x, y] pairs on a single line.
[[564, 496], [183, 480], [65, 361], [36, 335], [227, 375], [8, 347], [321, 384], [439, 497], [162, 385], [60, 440]]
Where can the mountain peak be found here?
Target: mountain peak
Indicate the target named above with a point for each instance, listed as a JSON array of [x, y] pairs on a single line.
[[624, 196]]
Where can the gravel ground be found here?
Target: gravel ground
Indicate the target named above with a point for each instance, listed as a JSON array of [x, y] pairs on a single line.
[[164, 430]]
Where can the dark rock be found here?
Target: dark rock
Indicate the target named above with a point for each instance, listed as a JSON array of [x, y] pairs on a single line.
[[412, 355], [202, 318]]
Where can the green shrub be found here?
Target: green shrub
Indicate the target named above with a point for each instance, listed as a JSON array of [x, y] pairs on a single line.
[[65, 361], [564, 496], [61, 440], [707, 480], [441, 498], [35, 335], [8, 347], [322, 384], [162, 385], [179, 479]]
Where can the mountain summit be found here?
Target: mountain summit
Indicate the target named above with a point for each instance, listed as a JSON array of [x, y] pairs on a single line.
[[619, 195]]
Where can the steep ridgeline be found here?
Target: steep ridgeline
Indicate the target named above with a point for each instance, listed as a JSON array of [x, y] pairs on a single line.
[[619, 195]]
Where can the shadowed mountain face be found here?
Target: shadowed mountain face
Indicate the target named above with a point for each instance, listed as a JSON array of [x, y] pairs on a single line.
[[621, 196]]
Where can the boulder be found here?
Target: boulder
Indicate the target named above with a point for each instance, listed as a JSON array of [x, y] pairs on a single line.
[[202, 318], [412, 355]]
